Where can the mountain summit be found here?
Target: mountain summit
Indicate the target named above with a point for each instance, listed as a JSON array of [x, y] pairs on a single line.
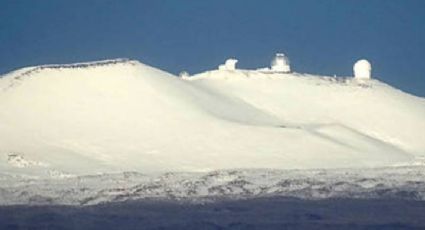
[[122, 115]]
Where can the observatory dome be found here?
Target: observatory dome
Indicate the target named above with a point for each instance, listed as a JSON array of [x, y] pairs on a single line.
[[230, 64], [362, 69], [280, 63]]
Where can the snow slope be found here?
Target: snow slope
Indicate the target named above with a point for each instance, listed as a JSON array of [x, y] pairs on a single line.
[[122, 115]]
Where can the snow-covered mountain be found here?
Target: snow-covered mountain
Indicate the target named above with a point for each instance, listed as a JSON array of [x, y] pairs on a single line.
[[122, 115]]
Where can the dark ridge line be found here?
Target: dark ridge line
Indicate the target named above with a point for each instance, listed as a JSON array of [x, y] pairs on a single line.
[[76, 65], [81, 65]]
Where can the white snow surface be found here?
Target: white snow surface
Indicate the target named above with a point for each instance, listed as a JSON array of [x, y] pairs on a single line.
[[60, 121]]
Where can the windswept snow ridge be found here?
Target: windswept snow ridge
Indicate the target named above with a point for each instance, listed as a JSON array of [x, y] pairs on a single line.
[[121, 115], [29, 71]]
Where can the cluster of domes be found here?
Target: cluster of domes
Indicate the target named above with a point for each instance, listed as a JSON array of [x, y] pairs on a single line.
[[280, 64]]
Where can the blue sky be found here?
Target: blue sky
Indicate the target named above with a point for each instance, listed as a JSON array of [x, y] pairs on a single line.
[[319, 36]]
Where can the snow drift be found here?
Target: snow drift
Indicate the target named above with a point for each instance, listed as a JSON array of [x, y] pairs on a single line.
[[122, 115]]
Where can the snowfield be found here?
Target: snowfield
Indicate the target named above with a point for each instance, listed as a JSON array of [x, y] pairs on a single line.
[[119, 130], [121, 115]]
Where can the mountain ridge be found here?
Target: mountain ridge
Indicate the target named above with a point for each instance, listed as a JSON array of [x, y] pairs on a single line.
[[123, 115]]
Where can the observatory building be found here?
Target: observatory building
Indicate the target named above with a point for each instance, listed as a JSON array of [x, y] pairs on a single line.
[[362, 69], [230, 64], [280, 63]]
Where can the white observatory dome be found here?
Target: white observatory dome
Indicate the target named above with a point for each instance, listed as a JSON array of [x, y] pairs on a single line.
[[230, 64], [280, 63], [362, 69]]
